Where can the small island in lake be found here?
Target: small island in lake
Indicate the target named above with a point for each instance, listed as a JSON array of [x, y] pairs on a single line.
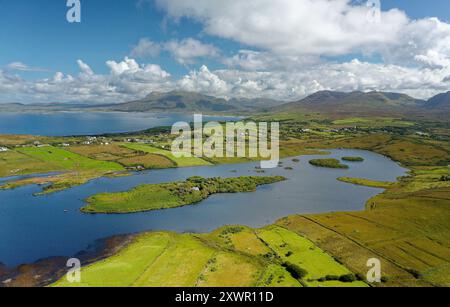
[[353, 159], [329, 163], [172, 195]]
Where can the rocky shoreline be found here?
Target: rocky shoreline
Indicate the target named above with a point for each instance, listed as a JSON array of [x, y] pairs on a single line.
[[47, 271]]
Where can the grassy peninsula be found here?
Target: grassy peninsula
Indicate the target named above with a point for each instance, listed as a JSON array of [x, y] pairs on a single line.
[[171, 195], [366, 182]]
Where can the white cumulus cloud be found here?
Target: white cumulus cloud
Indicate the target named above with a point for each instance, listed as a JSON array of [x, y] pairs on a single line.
[[295, 28], [185, 51], [146, 48], [289, 49], [204, 81], [292, 26], [188, 50]]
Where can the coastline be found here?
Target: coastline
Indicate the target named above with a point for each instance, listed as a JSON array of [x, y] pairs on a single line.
[[54, 268], [320, 226]]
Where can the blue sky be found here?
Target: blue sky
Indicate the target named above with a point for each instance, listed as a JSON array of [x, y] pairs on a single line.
[[37, 35], [420, 9]]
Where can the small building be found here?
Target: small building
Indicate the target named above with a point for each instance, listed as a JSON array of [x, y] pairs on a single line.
[[420, 133], [3, 149]]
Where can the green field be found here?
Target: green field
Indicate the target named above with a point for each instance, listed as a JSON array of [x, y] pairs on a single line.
[[181, 162], [373, 122], [76, 169], [148, 161], [125, 156], [172, 195], [406, 227], [66, 160], [13, 163], [302, 252], [227, 257]]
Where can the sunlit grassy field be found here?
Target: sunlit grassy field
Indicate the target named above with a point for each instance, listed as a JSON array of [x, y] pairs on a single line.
[[66, 160], [226, 257], [125, 156], [148, 161], [406, 227], [109, 152], [304, 253], [13, 163], [373, 122], [181, 162]]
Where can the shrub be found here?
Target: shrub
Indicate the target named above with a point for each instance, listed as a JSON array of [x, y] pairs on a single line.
[[360, 277], [414, 273], [269, 256], [331, 277], [347, 278], [296, 271], [232, 230], [196, 179], [445, 178]]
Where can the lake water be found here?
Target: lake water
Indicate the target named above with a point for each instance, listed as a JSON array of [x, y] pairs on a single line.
[[33, 228], [88, 123]]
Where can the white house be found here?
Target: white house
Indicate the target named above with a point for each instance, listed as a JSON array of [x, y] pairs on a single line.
[[3, 149]]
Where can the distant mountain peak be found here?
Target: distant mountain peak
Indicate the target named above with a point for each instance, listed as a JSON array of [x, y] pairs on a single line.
[[356, 102], [439, 101]]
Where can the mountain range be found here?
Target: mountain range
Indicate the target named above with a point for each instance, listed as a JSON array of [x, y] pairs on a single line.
[[439, 102], [329, 102], [180, 101], [369, 104]]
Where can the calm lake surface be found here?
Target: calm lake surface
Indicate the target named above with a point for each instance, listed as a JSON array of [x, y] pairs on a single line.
[[34, 228], [88, 123]]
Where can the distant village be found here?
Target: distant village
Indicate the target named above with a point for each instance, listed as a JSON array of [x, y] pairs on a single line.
[[89, 140]]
